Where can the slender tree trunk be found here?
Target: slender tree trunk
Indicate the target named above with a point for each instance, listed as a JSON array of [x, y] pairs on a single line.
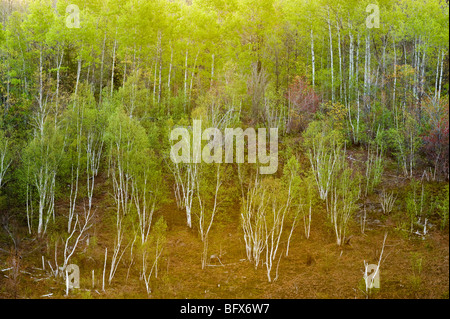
[[394, 104], [160, 67], [113, 64], [101, 69], [357, 89], [367, 75], [406, 84], [350, 82], [422, 83], [212, 71], [415, 66], [78, 76], [436, 83], [154, 79], [23, 66], [124, 74], [58, 69], [350, 67], [185, 78], [313, 60], [277, 71], [193, 75], [340, 59], [41, 106], [440, 80], [8, 80]]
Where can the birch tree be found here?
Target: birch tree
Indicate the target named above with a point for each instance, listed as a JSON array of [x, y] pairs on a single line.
[[41, 159], [263, 214], [274, 222], [342, 203], [152, 252], [324, 149], [128, 142], [5, 156], [208, 201], [185, 176], [253, 210]]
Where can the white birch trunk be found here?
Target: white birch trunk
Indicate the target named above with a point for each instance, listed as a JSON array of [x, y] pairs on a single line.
[[313, 60], [331, 56]]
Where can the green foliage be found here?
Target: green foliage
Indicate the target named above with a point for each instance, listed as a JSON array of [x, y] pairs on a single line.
[[322, 133], [404, 144], [374, 166], [326, 153], [159, 232], [342, 202], [127, 140], [5, 156], [418, 203], [303, 193], [291, 174], [416, 271]]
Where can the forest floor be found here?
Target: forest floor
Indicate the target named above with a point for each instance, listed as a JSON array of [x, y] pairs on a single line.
[[412, 267]]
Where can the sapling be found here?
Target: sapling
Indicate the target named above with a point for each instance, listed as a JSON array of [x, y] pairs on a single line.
[[307, 207], [83, 222], [274, 224], [363, 220], [5, 156], [374, 167], [206, 212], [443, 207], [342, 203], [185, 175], [387, 201], [154, 247], [417, 204], [253, 210], [41, 158], [369, 280], [325, 152], [294, 222], [292, 179], [263, 216]]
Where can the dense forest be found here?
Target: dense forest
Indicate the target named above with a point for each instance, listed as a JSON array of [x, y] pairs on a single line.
[[91, 90]]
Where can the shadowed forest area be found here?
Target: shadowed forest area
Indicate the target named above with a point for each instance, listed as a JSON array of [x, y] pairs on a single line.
[[90, 95]]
